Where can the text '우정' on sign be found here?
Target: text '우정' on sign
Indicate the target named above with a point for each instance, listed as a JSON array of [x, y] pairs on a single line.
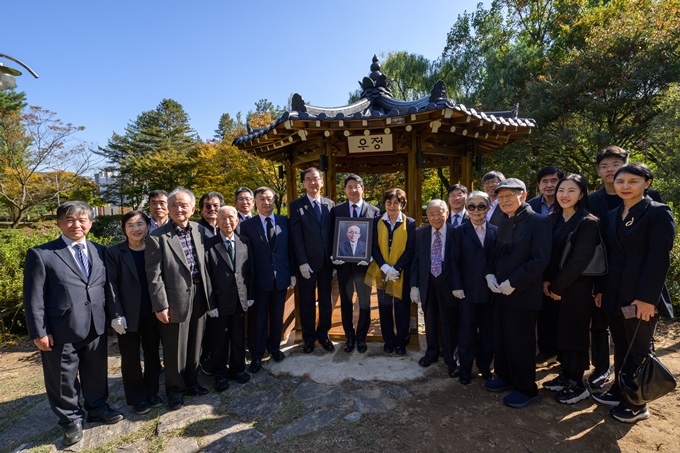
[[370, 144]]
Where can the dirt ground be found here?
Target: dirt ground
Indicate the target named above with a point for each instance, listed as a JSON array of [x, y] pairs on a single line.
[[440, 415]]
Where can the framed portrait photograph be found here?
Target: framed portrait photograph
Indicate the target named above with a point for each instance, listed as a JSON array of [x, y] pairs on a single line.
[[353, 238]]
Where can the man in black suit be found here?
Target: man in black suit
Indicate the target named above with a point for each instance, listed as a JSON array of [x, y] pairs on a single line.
[[431, 286], [489, 182], [351, 275], [353, 246], [175, 268], [312, 233], [269, 236], [243, 200], [158, 208], [64, 301], [546, 324], [229, 264], [208, 205], [457, 213], [520, 255], [609, 160]]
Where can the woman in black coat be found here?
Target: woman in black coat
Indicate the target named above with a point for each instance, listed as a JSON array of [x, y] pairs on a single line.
[[639, 239], [131, 315], [572, 223]]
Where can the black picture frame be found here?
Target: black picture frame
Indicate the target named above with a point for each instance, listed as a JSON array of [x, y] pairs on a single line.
[[341, 242]]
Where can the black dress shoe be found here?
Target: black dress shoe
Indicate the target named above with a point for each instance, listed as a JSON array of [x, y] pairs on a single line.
[[197, 390], [308, 348], [388, 348], [278, 356], [487, 375], [400, 350], [142, 408], [426, 361], [255, 366], [107, 416], [349, 345], [221, 384], [241, 377], [73, 433], [328, 345], [206, 367], [175, 403], [362, 346], [155, 401], [454, 371], [464, 379]]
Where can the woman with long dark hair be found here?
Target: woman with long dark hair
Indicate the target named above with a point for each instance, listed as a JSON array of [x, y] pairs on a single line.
[[639, 240], [564, 282]]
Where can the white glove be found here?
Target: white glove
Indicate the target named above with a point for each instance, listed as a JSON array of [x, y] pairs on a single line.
[[415, 295], [337, 262], [119, 325], [250, 302], [306, 271], [384, 268], [492, 283], [362, 263], [214, 313], [505, 288], [458, 293], [292, 283], [393, 275]]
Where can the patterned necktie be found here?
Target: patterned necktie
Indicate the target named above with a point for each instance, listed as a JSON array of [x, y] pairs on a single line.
[[82, 259], [436, 260], [354, 208], [455, 219], [317, 209], [231, 251], [271, 234]]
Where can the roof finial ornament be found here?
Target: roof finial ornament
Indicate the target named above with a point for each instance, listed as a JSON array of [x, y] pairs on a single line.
[[375, 69]]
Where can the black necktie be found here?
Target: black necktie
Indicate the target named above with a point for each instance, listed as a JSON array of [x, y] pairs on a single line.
[[317, 208], [455, 219], [231, 251], [271, 234], [354, 208]]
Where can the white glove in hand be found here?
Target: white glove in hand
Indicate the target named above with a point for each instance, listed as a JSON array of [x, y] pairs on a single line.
[[337, 262], [306, 271], [214, 313], [292, 283], [362, 263], [385, 267], [505, 288], [393, 275], [415, 295], [492, 283], [458, 293], [119, 325], [250, 302]]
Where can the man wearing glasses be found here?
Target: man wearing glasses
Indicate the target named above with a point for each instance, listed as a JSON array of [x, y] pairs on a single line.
[[208, 206], [243, 199], [489, 182]]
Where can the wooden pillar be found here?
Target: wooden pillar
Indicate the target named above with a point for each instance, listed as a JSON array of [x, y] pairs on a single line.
[[292, 306], [467, 165], [414, 186], [329, 179]]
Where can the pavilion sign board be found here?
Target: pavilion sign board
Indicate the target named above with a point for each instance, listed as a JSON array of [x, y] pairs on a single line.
[[370, 144]]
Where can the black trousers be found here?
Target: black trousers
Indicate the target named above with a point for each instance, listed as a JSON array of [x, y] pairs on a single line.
[[351, 280], [515, 346], [441, 320], [622, 335], [182, 346], [475, 336], [546, 326], [308, 288], [72, 367], [394, 312], [265, 321], [138, 385], [599, 340], [227, 342]]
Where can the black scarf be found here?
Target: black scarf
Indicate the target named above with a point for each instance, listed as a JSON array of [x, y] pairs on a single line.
[[506, 225]]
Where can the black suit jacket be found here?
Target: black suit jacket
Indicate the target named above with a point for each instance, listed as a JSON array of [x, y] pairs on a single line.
[[268, 260], [496, 216], [449, 219], [535, 204], [311, 240], [422, 260], [230, 283], [123, 284], [472, 259], [58, 299], [599, 208], [639, 260]]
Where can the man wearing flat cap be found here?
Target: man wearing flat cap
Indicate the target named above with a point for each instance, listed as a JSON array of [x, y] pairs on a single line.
[[519, 257]]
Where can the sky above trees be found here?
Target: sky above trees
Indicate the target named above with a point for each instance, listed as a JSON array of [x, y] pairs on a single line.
[[102, 63]]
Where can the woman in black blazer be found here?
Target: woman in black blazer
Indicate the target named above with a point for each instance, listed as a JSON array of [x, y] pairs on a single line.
[[394, 237], [131, 315], [571, 223], [639, 239], [470, 258]]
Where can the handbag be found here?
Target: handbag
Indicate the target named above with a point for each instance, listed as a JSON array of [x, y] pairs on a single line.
[[650, 381], [598, 265]]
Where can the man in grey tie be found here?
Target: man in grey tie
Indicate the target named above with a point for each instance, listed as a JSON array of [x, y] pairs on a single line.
[[457, 213]]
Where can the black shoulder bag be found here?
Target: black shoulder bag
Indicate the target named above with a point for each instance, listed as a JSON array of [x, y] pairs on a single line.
[[598, 263]]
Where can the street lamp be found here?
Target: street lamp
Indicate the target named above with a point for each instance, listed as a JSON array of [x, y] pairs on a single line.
[[7, 75]]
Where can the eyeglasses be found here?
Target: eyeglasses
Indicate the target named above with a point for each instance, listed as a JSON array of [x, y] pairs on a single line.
[[212, 205], [476, 207], [315, 179], [488, 182], [244, 199], [612, 166]]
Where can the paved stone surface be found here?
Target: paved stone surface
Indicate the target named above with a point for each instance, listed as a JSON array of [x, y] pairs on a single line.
[[229, 434], [181, 445], [196, 408], [353, 417], [368, 400], [313, 395], [309, 423], [260, 406]]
